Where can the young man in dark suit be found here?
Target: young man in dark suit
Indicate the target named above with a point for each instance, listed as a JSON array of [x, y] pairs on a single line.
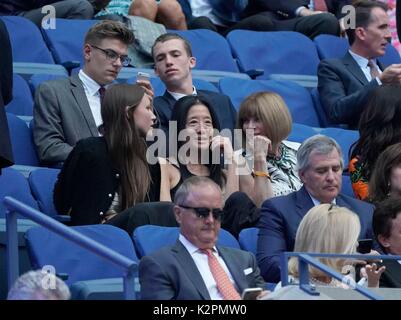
[[195, 268], [173, 59], [6, 84], [320, 166]]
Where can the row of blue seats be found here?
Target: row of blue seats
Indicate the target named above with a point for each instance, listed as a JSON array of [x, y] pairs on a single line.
[[242, 51]]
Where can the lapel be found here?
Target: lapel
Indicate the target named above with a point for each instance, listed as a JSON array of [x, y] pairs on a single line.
[[236, 271], [354, 68], [189, 267], [82, 102], [170, 99], [303, 202]]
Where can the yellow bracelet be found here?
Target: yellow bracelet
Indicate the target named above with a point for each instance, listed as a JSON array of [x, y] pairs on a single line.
[[261, 174]]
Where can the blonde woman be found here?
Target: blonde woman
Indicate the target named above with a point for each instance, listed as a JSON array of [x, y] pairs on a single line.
[[327, 228], [266, 122]]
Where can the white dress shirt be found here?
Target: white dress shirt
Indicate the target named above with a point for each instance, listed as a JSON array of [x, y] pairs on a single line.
[[201, 262], [91, 88], [363, 64], [177, 95]]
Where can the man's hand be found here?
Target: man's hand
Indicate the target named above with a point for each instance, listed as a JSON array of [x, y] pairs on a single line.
[[391, 75]]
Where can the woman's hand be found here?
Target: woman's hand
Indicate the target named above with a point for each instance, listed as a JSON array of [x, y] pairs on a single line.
[[373, 274]]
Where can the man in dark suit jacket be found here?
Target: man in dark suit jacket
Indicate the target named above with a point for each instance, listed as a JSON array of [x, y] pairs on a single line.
[[320, 165], [295, 15], [68, 110], [345, 84], [173, 64], [387, 230], [6, 84], [187, 270]]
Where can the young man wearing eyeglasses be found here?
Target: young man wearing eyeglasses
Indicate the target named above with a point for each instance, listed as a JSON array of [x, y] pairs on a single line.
[[195, 267], [68, 110]]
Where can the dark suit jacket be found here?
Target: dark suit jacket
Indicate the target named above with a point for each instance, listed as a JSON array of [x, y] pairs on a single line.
[[391, 277], [171, 273], [279, 221], [344, 89], [62, 116], [221, 103], [6, 84]]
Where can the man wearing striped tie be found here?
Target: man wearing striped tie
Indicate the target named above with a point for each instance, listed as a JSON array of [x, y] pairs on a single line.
[[195, 268]]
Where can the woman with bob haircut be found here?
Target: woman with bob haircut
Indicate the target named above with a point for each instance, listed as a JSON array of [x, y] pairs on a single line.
[[327, 228], [271, 161], [385, 181], [103, 176]]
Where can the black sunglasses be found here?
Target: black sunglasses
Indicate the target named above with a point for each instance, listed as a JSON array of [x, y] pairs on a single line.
[[113, 56], [204, 212]]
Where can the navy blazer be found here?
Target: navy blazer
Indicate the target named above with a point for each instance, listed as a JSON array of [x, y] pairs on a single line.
[[6, 84], [221, 103], [344, 89], [171, 274], [279, 221]]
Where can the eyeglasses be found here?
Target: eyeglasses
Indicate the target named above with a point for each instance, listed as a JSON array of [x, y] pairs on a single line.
[[113, 56], [203, 213]]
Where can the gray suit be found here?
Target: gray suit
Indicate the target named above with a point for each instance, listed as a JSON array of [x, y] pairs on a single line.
[[62, 117], [171, 273]]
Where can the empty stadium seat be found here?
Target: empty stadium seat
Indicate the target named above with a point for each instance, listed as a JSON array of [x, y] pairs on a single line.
[[24, 150], [274, 52], [248, 239], [347, 186], [22, 102], [14, 184], [166, 236], [297, 98], [301, 132], [47, 248]]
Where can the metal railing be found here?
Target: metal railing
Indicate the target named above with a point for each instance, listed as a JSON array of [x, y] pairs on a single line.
[[13, 207], [305, 259]]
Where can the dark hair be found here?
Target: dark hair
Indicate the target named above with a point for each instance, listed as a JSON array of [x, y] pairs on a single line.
[[170, 36], [363, 16], [383, 217], [125, 142], [108, 29], [379, 126], [379, 184], [179, 114]]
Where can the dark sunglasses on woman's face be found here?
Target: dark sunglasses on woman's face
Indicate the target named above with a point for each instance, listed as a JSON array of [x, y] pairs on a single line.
[[203, 213]]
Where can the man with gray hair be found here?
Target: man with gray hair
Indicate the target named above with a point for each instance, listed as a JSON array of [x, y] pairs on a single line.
[[39, 285], [320, 167], [196, 268]]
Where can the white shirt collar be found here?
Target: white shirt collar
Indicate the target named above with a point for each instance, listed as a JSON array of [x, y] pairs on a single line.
[[177, 95], [89, 84], [361, 61], [317, 202]]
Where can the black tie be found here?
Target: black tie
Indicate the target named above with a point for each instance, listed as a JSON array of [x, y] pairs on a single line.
[[102, 91]]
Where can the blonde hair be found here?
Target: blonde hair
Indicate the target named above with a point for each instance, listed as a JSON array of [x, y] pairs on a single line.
[[326, 228], [271, 110]]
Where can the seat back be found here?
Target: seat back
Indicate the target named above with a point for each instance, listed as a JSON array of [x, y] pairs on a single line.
[[150, 238], [26, 41], [14, 184], [297, 98], [301, 132], [47, 248], [274, 52], [67, 39], [346, 187], [24, 150], [210, 49], [22, 102], [248, 239], [42, 183], [321, 113]]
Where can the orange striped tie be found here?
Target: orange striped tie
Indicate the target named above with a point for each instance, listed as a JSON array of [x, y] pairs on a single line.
[[224, 285]]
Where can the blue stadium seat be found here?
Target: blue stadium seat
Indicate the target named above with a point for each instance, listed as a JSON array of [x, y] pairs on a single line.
[[42, 181], [301, 132], [321, 113], [297, 98], [329, 46], [14, 184], [37, 79], [248, 239], [22, 102], [167, 236], [24, 150], [274, 52], [26, 41], [347, 186], [48, 248], [211, 50]]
